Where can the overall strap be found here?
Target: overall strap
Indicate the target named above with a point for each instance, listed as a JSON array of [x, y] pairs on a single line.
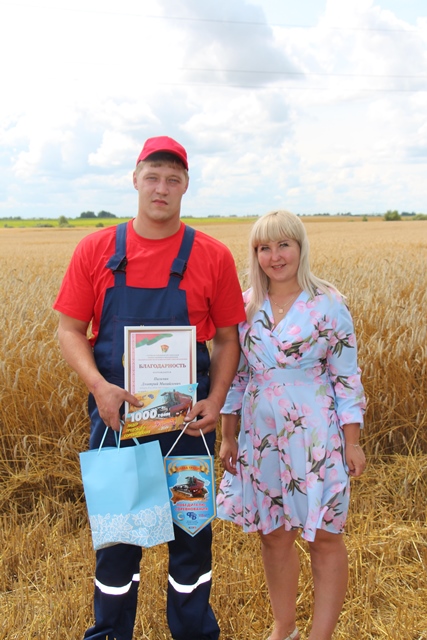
[[179, 265], [117, 263]]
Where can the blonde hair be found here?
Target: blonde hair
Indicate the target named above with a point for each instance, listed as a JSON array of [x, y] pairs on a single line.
[[273, 227]]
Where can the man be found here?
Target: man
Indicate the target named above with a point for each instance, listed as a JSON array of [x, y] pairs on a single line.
[[153, 270]]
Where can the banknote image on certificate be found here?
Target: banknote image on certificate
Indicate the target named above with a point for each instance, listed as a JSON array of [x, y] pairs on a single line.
[[161, 371]]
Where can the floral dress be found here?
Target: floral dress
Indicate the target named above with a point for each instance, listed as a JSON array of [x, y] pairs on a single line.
[[297, 384]]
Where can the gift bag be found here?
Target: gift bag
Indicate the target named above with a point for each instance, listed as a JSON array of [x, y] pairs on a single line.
[[126, 495], [191, 483]]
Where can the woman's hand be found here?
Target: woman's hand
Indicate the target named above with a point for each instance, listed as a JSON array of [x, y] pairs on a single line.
[[228, 454], [355, 459]]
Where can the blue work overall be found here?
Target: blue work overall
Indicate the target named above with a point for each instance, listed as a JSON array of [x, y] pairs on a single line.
[[189, 614]]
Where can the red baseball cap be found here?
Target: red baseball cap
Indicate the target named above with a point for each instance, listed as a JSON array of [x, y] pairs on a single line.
[[166, 144]]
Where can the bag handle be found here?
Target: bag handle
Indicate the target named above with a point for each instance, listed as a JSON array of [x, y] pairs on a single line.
[[182, 432], [115, 435]]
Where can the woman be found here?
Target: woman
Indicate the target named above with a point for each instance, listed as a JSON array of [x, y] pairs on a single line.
[[301, 402]]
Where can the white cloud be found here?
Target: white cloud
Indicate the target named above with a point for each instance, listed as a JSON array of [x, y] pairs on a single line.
[[326, 118]]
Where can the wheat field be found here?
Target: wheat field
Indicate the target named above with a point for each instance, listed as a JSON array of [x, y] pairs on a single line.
[[46, 558]]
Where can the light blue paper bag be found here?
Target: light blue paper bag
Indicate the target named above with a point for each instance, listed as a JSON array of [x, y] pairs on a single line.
[[126, 495]]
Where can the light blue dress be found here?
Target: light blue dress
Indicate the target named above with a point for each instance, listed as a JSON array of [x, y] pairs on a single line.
[[297, 384]]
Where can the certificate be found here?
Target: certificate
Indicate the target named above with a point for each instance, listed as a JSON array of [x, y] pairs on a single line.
[[161, 371]]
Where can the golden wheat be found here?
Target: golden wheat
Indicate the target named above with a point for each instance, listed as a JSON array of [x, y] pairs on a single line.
[[46, 559]]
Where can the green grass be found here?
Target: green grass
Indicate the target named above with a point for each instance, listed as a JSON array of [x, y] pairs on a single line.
[[15, 223]]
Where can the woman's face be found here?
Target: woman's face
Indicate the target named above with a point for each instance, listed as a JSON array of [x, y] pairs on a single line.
[[280, 260]]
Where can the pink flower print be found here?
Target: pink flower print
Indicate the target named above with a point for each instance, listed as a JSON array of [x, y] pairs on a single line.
[[304, 348], [346, 418], [289, 426], [284, 403], [280, 357], [306, 409], [303, 486], [295, 522], [334, 323], [252, 528], [322, 472], [301, 306], [266, 502], [294, 474], [245, 475], [294, 329], [238, 502], [333, 475], [275, 493], [286, 345], [333, 341], [315, 335], [325, 412], [287, 459], [336, 457], [256, 455], [340, 390], [339, 522], [250, 517], [270, 423], [286, 509], [315, 315], [275, 511], [338, 487], [311, 480], [256, 473], [239, 520], [293, 414], [318, 453], [282, 442], [228, 506], [273, 391], [256, 440], [335, 441], [286, 476], [220, 498], [263, 486]]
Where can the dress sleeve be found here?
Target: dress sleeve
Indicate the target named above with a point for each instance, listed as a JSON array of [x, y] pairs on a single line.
[[350, 401]]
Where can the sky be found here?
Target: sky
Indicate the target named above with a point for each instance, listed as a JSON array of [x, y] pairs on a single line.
[[315, 106]]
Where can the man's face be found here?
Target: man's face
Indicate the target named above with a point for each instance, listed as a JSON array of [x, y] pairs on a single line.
[[160, 190]]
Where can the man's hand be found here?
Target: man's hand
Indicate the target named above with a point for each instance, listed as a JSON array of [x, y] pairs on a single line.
[[77, 351], [109, 398], [208, 410]]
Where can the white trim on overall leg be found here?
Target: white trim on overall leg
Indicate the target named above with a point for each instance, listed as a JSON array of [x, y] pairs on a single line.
[[189, 588], [116, 591]]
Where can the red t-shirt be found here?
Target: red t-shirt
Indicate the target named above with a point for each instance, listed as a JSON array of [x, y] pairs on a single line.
[[214, 296]]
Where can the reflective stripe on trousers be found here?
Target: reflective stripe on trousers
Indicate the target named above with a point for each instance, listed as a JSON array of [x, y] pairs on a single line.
[[116, 591]]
